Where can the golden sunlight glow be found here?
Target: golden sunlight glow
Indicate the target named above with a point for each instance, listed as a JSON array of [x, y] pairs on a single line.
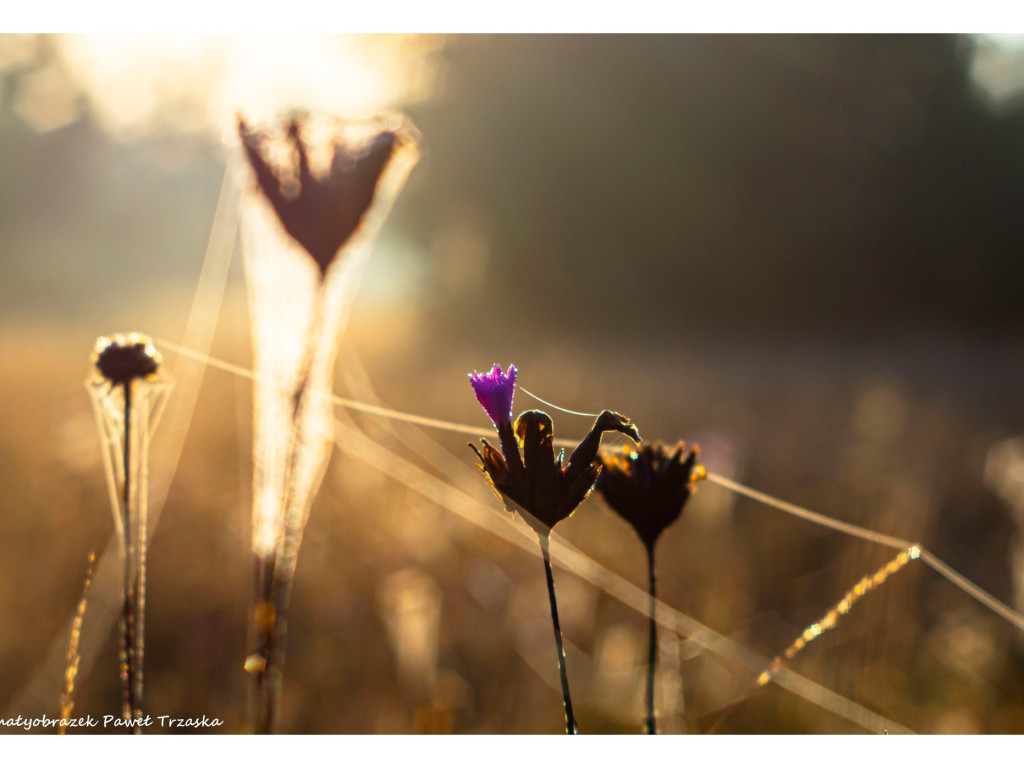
[[199, 82]]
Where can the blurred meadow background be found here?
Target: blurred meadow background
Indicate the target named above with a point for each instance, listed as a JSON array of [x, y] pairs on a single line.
[[803, 253]]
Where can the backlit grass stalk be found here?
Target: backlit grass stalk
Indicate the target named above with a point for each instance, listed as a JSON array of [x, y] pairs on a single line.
[[127, 395], [830, 619], [321, 188], [73, 658]]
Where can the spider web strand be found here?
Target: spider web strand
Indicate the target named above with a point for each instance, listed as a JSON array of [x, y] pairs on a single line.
[[865, 534]]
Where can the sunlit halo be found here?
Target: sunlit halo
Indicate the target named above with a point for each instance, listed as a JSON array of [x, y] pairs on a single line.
[[997, 69], [200, 82]]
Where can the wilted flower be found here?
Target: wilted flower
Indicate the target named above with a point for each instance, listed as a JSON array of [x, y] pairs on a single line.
[[649, 486], [542, 488], [321, 189], [320, 211], [120, 358], [127, 393], [547, 487]]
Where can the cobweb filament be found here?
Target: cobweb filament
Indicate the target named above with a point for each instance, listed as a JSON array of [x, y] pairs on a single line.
[[556, 407], [289, 309], [297, 313], [127, 406], [147, 401], [896, 543], [359, 447], [830, 619]]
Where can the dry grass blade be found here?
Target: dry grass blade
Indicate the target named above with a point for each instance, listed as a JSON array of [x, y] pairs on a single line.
[[831, 618], [73, 658]]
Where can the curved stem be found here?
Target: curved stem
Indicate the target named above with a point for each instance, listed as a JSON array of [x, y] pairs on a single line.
[[570, 721], [650, 726]]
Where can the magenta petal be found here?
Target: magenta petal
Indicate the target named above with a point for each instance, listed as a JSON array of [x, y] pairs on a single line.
[[495, 391]]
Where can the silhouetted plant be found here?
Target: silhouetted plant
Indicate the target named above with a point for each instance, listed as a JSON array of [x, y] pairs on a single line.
[[127, 394], [648, 488], [322, 187], [543, 489]]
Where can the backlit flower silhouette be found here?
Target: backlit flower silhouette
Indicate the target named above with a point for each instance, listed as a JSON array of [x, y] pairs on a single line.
[[122, 358], [321, 211], [542, 488], [127, 389], [320, 190], [648, 488]]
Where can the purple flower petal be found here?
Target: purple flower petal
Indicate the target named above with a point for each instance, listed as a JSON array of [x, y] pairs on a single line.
[[495, 391]]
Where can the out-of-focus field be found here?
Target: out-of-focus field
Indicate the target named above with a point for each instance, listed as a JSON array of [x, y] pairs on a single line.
[[800, 253], [406, 618]]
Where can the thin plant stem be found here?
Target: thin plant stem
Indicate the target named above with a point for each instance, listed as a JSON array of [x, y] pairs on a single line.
[[133, 585], [127, 621], [139, 606], [650, 727], [570, 720], [273, 575], [125, 646], [128, 366], [266, 676]]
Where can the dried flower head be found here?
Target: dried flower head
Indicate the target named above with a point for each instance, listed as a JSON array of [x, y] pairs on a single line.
[[321, 187], [539, 485], [122, 358], [320, 210], [649, 486]]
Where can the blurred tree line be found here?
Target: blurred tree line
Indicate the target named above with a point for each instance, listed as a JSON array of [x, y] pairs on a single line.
[[798, 182], [752, 182]]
